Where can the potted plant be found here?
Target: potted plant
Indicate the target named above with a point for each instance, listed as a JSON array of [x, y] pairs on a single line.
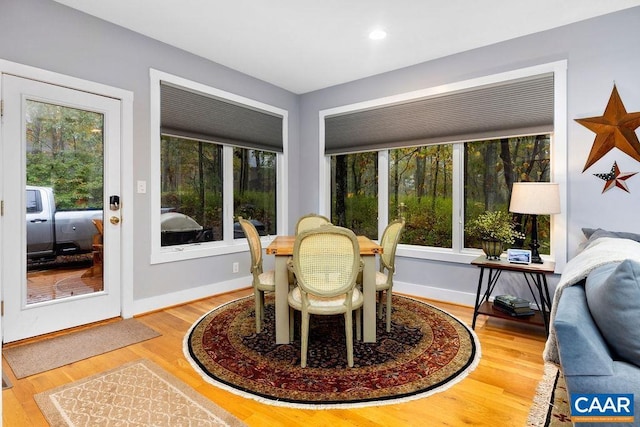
[[494, 229]]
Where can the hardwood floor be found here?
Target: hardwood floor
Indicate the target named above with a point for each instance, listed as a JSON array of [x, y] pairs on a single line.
[[499, 392]]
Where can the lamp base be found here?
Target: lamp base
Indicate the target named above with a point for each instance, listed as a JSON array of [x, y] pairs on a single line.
[[535, 255], [535, 259]]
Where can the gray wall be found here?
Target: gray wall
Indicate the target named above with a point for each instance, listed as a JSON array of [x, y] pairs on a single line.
[[599, 52], [47, 35]]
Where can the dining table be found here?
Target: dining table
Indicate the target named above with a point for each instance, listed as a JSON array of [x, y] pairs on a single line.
[[282, 248]]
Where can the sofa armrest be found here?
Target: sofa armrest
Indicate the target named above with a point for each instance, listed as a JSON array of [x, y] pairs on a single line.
[[581, 347]]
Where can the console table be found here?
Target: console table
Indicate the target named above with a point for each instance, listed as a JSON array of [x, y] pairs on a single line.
[[535, 278]]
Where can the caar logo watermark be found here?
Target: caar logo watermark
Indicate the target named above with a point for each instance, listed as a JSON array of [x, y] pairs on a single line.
[[602, 408]]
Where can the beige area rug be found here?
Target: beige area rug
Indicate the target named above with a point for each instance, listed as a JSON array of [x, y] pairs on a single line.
[[51, 353], [551, 404], [139, 393], [5, 382]]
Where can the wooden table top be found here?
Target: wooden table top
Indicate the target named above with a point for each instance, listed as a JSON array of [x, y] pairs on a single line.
[[283, 245], [503, 264]]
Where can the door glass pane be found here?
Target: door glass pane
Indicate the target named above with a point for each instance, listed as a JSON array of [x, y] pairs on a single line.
[[64, 194]]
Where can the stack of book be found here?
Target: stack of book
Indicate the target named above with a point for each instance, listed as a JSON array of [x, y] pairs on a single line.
[[513, 306]]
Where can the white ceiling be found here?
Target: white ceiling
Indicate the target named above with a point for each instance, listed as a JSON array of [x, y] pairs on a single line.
[[305, 45]]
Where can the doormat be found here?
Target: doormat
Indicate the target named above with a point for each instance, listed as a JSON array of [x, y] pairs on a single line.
[[138, 393], [5, 382], [50, 353]]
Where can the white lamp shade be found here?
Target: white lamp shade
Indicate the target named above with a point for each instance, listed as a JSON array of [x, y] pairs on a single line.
[[535, 198]]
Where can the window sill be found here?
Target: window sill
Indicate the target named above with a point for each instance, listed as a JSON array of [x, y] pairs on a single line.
[[443, 254], [438, 254], [201, 250]]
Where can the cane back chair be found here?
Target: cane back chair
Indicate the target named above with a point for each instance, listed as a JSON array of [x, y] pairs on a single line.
[[326, 262]]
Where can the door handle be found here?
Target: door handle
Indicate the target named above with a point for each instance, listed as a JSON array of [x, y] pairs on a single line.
[[39, 220], [114, 220]]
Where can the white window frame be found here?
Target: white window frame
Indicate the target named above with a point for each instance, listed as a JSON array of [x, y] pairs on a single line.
[[162, 254], [457, 253]]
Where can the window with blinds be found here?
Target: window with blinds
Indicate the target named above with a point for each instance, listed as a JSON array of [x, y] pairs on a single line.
[[517, 107], [189, 114]]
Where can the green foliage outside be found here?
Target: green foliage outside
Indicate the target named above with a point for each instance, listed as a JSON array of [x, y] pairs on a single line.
[[64, 151], [258, 205], [421, 180], [428, 223], [360, 215]]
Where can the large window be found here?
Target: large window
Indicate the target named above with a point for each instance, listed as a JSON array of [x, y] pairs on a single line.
[[219, 156], [421, 187], [441, 156]]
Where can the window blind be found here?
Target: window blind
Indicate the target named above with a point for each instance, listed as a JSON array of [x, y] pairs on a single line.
[[191, 114], [515, 107]]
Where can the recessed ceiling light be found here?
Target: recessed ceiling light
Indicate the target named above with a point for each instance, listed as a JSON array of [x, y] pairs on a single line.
[[377, 34]]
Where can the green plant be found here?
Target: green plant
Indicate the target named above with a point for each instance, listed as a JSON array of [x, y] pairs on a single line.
[[494, 225]]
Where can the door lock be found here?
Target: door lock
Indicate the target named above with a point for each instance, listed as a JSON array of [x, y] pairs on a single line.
[[114, 220]]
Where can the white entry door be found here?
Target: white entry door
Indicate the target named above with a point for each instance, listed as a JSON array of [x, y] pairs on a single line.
[[60, 227]]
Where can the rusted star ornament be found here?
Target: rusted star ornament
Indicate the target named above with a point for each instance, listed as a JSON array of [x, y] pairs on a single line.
[[614, 129], [615, 178]]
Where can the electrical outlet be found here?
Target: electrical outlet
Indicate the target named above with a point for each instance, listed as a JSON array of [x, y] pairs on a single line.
[[236, 267]]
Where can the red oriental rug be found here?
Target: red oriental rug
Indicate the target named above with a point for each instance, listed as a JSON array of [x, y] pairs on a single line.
[[427, 351]]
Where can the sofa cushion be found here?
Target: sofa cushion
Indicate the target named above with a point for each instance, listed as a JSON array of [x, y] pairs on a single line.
[[614, 304], [581, 348]]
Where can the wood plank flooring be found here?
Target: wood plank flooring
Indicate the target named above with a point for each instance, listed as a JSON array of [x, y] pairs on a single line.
[[499, 392]]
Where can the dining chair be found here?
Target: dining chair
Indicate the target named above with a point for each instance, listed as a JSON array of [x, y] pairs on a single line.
[[384, 277], [263, 281], [326, 262], [309, 221], [306, 222]]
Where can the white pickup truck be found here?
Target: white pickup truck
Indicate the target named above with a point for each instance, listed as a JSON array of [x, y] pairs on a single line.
[[50, 232]]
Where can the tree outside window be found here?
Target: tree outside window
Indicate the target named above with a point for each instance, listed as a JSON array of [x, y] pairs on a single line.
[[420, 182], [191, 184], [491, 169], [65, 152], [254, 188], [420, 190], [354, 192]]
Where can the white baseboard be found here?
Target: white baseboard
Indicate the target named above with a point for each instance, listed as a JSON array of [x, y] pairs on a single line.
[[438, 294], [159, 302], [163, 301]]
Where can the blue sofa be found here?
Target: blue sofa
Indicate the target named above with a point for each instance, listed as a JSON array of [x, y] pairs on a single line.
[[597, 327]]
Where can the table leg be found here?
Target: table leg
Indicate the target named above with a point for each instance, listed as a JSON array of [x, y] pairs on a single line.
[[477, 305], [545, 302], [282, 304], [369, 291]]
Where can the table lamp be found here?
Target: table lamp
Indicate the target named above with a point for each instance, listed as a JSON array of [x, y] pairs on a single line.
[[535, 198]]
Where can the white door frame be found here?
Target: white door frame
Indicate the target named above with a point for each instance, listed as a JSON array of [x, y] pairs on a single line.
[[126, 119]]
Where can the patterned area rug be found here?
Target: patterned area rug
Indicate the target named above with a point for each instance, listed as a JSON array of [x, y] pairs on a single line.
[[551, 404], [136, 394], [427, 351]]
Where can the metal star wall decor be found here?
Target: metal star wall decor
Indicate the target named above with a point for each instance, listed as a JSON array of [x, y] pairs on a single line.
[[614, 129], [615, 178]]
